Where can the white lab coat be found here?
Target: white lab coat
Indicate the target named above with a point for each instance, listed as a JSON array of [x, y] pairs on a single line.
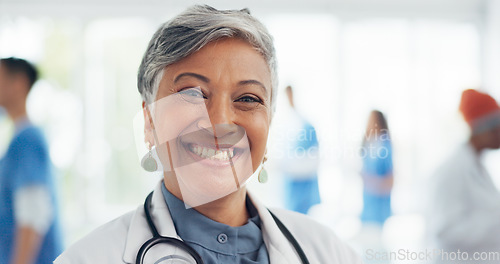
[[119, 240], [464, 207]]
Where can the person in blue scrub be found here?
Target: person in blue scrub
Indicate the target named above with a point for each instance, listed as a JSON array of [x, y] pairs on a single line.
[[376, 153], [300, 167], [29, 228]]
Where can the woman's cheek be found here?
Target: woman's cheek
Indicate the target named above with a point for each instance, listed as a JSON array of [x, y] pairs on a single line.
[[257, 131]]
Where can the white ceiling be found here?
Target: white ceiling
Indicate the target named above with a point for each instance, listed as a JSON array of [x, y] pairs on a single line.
[[85, 8]]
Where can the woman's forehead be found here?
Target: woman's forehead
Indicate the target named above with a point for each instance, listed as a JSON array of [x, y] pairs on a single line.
[[224, 60]]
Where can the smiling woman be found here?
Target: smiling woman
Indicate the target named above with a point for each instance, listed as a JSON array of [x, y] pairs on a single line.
[[208, 83], [232, 78]]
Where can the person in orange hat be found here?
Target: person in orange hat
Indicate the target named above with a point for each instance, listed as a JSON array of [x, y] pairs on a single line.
[[465, 204], [482, 114]]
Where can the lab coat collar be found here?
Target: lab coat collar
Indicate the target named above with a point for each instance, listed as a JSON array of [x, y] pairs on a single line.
[[278, 247], [139, 231]]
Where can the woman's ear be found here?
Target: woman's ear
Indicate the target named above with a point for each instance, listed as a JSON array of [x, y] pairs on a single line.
[[148, 125]]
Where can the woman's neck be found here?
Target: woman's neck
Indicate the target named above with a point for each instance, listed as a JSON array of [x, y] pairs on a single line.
[[230, 210]]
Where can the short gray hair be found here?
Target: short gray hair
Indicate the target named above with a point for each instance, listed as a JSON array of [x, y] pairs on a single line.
[[192, 30]]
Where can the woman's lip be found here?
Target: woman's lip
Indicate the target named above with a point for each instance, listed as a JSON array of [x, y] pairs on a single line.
[[211, 146]]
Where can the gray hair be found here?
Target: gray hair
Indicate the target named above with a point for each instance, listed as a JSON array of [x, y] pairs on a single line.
[[192, 30]]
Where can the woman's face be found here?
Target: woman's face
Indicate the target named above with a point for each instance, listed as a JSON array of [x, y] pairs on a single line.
[[211, 120]]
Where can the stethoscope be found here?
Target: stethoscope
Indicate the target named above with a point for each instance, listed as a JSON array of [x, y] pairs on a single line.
[[158, 239]]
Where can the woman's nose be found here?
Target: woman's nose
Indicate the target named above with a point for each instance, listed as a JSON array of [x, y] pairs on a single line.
[[220, 112], [226, 130], [220, 120]]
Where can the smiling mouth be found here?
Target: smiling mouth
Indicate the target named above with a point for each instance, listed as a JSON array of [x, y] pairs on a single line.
[[221, 154]]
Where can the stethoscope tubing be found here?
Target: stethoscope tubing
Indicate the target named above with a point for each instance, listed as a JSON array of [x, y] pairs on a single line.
[[158, 239]]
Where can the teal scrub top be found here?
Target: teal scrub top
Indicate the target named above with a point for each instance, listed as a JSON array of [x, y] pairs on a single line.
[[26, 163]]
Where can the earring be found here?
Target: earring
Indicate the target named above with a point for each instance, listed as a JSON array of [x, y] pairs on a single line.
[[148, 163], [262, 176], [263, 173]]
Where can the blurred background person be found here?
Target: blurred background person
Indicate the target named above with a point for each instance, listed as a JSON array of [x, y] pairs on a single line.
[[464, 206], [300, 164], [29, 228], [376, 152]]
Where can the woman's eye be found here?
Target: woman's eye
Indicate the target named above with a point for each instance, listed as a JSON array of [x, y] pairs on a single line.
[[249, 99], [193, 92]]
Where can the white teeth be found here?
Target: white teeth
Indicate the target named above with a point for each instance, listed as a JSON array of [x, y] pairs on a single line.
[[209, 153], [199, 150]]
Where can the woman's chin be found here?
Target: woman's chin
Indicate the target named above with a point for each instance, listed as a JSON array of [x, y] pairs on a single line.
[[200, 184], [195, 193]]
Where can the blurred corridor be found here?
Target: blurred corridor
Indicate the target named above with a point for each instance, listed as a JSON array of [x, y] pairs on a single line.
[[409, 59]]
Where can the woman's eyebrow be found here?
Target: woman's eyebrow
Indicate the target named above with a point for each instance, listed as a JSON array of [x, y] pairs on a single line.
[[191, 74], [254, 82], [207, 80]]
